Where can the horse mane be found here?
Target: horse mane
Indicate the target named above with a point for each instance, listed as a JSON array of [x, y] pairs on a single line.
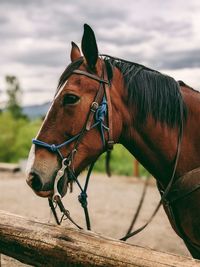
[[183, 84], [152, 92]]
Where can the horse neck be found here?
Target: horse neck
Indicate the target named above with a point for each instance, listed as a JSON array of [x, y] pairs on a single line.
[[154, 146]]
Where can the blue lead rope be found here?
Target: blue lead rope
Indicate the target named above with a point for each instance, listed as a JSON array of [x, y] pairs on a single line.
[[53, 147]]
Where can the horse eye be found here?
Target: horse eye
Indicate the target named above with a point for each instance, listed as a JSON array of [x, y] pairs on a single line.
[[70, 99]]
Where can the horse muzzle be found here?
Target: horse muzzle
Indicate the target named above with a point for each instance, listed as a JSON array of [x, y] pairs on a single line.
[[46, 189]]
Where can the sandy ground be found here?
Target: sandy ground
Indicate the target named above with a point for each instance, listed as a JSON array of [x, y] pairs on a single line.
[[112, 202]]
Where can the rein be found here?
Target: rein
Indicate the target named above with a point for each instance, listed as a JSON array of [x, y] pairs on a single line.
[[99, 109]]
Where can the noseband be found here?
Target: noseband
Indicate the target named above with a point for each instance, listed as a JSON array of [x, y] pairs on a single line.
[[99, 109]]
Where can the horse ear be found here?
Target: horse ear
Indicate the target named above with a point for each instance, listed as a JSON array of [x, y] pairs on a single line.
[[75, 52], [89, 47]]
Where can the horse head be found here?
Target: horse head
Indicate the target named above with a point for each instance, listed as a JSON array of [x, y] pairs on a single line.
[[77, 127]]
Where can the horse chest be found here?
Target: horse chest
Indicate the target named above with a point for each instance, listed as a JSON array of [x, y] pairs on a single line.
[[182, 208]]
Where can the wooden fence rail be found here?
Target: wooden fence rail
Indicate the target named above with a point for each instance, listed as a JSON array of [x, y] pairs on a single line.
[[41, 244], [9, 167]]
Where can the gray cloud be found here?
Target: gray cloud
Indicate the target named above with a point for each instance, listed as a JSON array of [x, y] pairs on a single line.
[[50, 58], [36, 34], [180, 60], [130, 39], [169, 27]]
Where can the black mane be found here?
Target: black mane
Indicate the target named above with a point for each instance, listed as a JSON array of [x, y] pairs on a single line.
[[152, 92]]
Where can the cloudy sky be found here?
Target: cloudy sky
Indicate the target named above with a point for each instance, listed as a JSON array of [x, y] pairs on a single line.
[[35, 37]]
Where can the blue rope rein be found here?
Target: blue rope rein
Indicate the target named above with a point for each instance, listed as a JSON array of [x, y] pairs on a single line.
[[100, 115]]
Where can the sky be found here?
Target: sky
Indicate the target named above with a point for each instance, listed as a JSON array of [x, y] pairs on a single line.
[[36, 35]]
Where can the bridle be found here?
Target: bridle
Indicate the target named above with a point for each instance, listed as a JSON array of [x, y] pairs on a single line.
[[100, 108]]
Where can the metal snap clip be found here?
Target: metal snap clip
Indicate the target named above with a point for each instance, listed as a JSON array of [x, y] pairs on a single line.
[[94, 106]]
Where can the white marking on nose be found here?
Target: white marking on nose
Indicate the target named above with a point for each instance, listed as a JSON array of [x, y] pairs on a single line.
[[31, 159]]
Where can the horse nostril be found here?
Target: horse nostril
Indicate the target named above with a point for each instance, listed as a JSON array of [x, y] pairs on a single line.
[[35, 182]]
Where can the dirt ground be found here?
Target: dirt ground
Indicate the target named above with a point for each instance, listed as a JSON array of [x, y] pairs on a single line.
[[112, 202]]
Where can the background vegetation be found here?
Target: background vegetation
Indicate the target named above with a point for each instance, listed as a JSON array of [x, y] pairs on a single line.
[[17, 131], [16, 136]]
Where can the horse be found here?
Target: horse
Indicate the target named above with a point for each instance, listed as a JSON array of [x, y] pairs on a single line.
[[103, 100]]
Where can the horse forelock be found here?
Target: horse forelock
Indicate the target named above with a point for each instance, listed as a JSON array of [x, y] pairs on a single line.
[[67, 72]]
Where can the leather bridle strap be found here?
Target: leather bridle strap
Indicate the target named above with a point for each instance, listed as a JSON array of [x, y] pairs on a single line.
[[92, 76], [110, 142], [95, 104]]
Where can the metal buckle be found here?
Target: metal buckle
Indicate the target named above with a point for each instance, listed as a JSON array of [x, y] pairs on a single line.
[[59, 175], [94, 106]]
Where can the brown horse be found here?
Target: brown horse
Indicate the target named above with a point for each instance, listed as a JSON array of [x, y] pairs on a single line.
[[138, 107]]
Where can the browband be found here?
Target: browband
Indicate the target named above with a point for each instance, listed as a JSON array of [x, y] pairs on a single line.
[[92, 76]]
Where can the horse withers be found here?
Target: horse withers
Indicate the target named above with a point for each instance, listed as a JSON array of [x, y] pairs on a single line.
[[102, 100]]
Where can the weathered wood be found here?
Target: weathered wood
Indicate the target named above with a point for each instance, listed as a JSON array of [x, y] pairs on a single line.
[[10, 167], [136, 172], [41, 244]]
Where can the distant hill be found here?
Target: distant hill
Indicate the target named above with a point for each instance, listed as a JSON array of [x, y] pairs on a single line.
[[36, 111]]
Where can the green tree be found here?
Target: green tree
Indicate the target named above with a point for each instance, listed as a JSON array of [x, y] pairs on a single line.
[[14, 93], [26, 132]]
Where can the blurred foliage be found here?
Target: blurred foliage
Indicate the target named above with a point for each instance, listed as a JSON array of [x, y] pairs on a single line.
[[14, 93], [16, 136], [122, 162]]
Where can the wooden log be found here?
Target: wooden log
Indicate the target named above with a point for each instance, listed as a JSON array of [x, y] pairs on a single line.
[[9, 167], [41, 244], [136, 172]]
